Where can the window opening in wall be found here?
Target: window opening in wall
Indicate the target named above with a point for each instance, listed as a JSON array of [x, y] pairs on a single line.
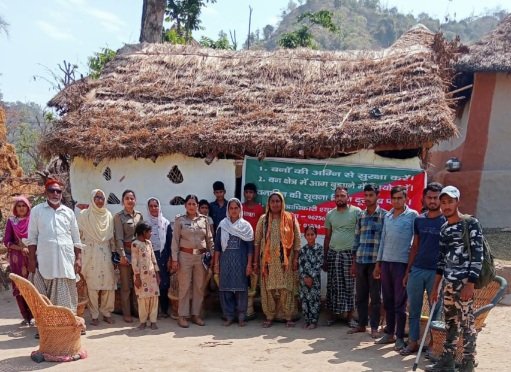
[[113, 199], [107, 173], [175, 175], [177, 200]]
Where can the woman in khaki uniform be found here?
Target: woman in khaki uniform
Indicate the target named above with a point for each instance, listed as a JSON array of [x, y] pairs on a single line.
[[191, 240], [125, 222]]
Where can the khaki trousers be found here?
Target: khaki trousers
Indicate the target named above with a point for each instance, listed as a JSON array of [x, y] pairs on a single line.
[[107, 303], [148, 309], [126, 276], [191, 277]]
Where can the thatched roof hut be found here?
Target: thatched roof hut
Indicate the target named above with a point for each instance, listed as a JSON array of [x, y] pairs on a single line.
[[161, 99], [490, 54]]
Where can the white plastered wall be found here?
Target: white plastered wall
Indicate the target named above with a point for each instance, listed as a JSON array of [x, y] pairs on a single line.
[[149, 179], [492, 208]]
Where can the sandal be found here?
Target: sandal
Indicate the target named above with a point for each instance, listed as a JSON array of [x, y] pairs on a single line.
[[108, 319], [386, 339], [312, 326], [408, 351], [227, 323], [375, 333], [357, 330], [242, 323], [330, 322], [267, 323], [290, 324], [94, 322], [154, 326]]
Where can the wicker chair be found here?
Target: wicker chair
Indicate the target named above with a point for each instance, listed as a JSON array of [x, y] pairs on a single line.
[[59, 329], [485, 299]]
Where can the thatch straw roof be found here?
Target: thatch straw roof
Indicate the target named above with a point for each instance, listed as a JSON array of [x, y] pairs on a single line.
[[490, 54], [160, 99]]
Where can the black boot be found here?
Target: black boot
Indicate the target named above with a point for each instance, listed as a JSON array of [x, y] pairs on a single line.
[[444, 364], [467, 365]]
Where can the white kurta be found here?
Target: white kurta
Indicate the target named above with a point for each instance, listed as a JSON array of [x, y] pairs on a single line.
[[55, 233], [97, 267]]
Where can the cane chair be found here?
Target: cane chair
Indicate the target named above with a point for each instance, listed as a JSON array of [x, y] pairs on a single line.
[[59, 329]]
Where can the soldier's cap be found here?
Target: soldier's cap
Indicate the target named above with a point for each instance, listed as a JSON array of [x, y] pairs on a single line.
[[451, 191]]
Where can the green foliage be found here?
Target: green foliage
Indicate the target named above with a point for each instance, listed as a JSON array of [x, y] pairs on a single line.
[[98, 61], [303, 38], [26, 124], [367, 24], [183, 15], [221, 43], [172, 36], [322, 18]]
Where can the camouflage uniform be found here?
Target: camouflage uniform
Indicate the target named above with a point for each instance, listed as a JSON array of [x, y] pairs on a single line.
[[457, 269]]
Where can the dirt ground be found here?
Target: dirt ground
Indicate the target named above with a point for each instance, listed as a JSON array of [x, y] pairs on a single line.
[[218, 348]]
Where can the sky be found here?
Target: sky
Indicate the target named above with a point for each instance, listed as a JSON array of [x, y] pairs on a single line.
[[43, 34]]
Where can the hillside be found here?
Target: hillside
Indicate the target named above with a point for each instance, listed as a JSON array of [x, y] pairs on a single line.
[[367, 24]]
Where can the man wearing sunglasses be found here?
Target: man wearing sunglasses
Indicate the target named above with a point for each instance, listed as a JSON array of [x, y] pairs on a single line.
[[54, 248]]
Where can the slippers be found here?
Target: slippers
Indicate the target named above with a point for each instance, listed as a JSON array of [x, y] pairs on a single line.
[[386, 339], [375, 333], [267, 323], [290, 324], [408, 351], [356, 330]]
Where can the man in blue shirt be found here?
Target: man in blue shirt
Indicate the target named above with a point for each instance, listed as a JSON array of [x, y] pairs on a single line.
[[395, 243], [422, 263], [218, 208], [365, 251]]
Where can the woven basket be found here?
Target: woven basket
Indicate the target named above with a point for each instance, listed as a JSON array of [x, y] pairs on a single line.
[[482, 299]]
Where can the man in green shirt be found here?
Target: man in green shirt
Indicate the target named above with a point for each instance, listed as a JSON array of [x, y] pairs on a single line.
[[340, 234]]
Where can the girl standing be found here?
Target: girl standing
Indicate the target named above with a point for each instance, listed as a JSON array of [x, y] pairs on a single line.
[[146, 275], [310, 260], [16, 230]]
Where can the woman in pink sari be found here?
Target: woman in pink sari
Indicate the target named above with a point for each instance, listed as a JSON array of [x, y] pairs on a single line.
[[16, 230]]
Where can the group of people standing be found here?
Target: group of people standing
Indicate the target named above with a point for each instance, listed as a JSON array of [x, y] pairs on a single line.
[[369, 255]]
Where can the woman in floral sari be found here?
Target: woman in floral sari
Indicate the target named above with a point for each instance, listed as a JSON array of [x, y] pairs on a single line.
[[16, 230]]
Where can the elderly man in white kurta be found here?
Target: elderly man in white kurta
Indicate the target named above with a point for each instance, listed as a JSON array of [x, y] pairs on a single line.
[[54, 248]]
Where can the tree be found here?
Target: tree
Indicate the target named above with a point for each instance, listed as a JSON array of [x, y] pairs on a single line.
[[58, 80], [302, 38], [98, 61], [268, 32], [221, 43], [184, 15], [153, 12], [26, 124]]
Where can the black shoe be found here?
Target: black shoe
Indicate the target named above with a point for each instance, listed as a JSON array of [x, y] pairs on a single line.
[[467, 366], [444, 364]]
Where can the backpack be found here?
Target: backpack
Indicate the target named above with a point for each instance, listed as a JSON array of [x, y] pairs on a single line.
[[488, 272]]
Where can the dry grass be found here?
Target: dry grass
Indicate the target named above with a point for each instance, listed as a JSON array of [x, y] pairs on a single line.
[[492, 53], [161, 99]]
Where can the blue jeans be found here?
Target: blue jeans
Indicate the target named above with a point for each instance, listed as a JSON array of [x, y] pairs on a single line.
[[418, 281]]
